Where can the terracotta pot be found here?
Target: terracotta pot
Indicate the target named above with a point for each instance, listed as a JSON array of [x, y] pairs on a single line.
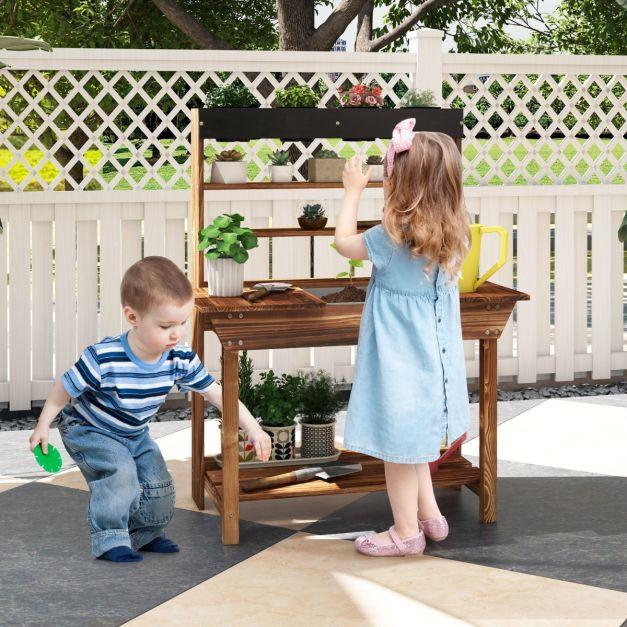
[[317, 440], [312, 224], [283, 442]]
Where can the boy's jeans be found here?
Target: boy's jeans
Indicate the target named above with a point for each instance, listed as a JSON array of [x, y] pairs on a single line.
[[131, 491]]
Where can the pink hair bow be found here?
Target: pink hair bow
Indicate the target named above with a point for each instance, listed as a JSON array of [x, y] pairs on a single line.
[[402, 137]]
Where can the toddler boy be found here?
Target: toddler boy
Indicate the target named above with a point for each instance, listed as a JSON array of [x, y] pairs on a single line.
[[116, 387]]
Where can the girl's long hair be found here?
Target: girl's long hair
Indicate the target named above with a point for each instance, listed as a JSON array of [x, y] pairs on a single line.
[[425, 206]]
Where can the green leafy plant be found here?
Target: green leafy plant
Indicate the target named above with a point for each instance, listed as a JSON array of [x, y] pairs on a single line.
[[319, 397], [418, 98], [312, 211], [226, 238], [280, 157], [323, 153], [229, 155], [233, 95], [352, 264], [374, 160], [297, 96], [277, 400]]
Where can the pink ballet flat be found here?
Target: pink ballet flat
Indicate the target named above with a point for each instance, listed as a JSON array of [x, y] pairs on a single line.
[[434, 528], [409, 546]]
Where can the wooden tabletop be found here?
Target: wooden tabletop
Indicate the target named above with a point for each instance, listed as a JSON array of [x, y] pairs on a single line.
[[484, 314]]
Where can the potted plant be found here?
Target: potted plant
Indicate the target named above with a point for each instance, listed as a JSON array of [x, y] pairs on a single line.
[[361, 95], [418, 98], [246, 394], [312, 217], [235, 95], [277, 402], [350, 293], [377, 167], [280, 167], [297, 96], [320, 402], [228, 167], [226, 244], [325, 166]]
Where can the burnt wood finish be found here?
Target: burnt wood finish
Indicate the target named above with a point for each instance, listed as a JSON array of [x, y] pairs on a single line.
[[240, 326], [298, 319], [454, 471]]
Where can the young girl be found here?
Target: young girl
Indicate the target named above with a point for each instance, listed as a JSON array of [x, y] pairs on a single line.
[[409, 391]]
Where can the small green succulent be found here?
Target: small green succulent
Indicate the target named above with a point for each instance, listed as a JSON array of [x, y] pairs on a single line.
[[229, 155], [312, 211], [280, 157], [323, 153], [374, 160]]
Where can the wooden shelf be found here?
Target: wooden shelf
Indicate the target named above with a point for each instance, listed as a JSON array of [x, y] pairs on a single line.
[[292, 185], [452, 472], [296, 231]]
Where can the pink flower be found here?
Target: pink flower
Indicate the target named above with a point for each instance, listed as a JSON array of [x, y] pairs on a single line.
[[377, 91], [355, 100], [371, 100]]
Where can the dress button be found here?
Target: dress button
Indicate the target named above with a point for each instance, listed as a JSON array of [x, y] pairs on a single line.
[[439, 319], [445, 380], [444, 350]]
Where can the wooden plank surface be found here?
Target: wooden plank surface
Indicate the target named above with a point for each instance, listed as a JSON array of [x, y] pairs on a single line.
[[454, 471]]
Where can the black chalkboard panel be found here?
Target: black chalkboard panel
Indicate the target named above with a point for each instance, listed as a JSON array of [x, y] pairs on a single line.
[[292, 123]]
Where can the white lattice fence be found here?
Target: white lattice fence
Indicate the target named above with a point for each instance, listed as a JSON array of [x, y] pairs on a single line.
[[118, 119], [52, 307], [539, 119]]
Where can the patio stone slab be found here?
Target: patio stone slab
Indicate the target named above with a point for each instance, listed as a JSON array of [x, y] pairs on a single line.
[[308, 580], [567, 528], [49, 575]]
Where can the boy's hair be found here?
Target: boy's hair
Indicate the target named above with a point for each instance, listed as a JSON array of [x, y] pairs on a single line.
[[152, 281], [425, 203]]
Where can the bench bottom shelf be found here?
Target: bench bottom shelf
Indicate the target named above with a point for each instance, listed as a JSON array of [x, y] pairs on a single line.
[[454, 471]]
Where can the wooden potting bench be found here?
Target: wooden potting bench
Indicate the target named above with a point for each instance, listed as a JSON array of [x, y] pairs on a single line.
[[282, 320]]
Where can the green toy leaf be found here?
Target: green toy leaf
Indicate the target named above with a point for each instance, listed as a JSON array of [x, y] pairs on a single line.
[[51, 462]]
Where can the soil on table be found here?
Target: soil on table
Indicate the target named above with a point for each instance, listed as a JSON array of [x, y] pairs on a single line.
[[350, 294]]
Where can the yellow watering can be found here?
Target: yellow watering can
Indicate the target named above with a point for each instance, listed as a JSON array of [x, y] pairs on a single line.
[[469, 282]]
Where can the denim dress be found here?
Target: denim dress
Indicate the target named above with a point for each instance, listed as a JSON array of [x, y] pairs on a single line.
[[409, 392]]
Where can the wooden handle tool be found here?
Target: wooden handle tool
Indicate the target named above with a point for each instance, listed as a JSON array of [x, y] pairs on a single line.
[[296, 476]]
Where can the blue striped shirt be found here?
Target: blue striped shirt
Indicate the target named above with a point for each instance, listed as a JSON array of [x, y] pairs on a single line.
[[113, 389]]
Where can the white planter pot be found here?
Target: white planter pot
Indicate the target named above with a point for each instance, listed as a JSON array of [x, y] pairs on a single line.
[[281, 173], [229, 172], [225, 277], [377, 172]]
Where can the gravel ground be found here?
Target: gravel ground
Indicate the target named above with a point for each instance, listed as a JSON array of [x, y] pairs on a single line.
[[14, 421]]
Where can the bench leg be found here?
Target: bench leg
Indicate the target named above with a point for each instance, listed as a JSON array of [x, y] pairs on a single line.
[[487, 429], [198, 422], [230, 457]]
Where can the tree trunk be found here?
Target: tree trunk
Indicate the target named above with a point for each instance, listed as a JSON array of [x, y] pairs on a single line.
[[296, 23], [364, 27]]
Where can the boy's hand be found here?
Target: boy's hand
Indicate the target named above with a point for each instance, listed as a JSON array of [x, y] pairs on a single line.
[[352, 176], [262, 443], [41, 435]]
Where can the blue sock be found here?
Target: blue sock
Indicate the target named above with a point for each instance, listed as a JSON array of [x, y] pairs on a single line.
[[161, 545], [121, 554]]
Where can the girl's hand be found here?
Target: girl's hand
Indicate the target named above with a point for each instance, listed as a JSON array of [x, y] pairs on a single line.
[[41, 434], [262, 443], [352, 176]]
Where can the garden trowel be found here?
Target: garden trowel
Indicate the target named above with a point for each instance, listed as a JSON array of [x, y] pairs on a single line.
[[262, 289], [300, 475]]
